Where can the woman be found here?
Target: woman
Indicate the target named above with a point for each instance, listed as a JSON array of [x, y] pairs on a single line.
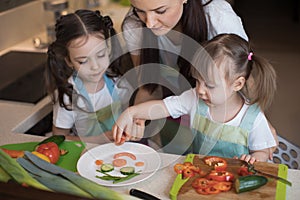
[[172, 24]]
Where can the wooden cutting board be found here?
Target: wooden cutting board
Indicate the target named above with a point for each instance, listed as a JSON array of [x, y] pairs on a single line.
[[182, 189]]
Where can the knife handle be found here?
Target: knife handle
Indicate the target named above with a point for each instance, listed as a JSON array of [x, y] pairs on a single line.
[[142, 195]]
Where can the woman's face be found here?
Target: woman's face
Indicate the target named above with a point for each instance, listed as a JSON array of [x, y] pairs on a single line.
[[89, 56], [160, 16]]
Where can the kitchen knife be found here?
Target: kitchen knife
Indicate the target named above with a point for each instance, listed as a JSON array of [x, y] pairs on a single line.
[[142, 195]]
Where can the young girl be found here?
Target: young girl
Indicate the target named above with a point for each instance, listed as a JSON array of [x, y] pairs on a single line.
[[233, 88], [81, 76]]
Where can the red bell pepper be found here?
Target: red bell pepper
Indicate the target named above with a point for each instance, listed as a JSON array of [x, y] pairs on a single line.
[[220, 176], [218, 163], [50, 150]]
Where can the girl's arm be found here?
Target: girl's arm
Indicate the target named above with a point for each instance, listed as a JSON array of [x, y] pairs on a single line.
[[99, 139], [127, 125]]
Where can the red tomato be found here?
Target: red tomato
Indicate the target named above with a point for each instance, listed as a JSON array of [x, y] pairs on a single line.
[[50, 150], [218, 163], [220, 176]]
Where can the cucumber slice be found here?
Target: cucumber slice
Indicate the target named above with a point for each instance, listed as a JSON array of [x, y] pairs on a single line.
[[107, 168], [248, 183], [127, 170]]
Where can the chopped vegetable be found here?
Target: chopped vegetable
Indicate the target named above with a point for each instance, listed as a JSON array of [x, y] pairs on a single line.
[[250, 182], [127, 170], [244, 171], [13, 153], [50, 150], [116, 179], [187, 169], [223, 186], [218, 163], [220, 176], [40, 155], [98, 162], [107, 168]]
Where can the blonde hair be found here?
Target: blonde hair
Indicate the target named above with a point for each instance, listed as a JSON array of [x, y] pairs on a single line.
[[232, 53]]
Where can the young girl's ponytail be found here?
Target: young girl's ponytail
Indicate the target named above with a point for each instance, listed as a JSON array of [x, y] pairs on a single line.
[[263, 86], [56, 75]]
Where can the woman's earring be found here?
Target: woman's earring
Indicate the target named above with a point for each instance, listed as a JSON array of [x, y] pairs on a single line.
[[185, 2]]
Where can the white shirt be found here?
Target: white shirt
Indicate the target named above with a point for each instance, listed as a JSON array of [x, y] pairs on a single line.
[[63, 118], [66, 119], [220, 18], [260, 137]]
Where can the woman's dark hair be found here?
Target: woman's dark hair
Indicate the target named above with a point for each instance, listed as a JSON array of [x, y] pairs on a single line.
[[70, 27], [194, 25]]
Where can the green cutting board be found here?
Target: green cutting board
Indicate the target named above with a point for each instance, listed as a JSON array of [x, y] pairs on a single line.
[[67, 161]]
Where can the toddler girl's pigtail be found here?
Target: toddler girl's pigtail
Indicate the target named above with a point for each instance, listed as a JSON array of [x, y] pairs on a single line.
[[263, 87]]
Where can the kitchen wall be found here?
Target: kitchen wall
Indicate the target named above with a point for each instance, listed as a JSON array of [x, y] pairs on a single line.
[[20, 23], [274, 31]]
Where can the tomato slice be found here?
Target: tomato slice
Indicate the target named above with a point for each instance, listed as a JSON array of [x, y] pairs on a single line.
[[223, 186], [220, 176], [218, 163]]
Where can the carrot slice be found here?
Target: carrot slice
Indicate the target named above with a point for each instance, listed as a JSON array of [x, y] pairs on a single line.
[[139, 164]]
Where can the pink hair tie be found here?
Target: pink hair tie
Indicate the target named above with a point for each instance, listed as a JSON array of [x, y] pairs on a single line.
[[250, 56]]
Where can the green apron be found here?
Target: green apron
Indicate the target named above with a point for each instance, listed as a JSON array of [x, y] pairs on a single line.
[[100, 121], [217, 139]]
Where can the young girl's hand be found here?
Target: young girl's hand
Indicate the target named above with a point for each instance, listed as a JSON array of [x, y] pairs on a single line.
[[248, 158], [126, 128]]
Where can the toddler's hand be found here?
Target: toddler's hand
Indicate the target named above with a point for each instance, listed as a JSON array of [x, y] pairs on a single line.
[[248, 158]]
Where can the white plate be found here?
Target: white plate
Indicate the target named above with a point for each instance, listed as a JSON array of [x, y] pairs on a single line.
[[87, 168]]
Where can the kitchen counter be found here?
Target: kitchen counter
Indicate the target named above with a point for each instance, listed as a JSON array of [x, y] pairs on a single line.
[[161, 182]]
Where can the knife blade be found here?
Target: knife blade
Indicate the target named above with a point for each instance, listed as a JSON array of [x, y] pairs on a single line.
[[142, 195], [273, 176]]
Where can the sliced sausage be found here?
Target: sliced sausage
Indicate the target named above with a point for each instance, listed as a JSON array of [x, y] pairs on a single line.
[[119, 162], [130, 155]]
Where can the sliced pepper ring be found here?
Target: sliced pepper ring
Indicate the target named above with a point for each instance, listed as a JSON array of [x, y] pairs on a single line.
[[220, 176], [218, 163]]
